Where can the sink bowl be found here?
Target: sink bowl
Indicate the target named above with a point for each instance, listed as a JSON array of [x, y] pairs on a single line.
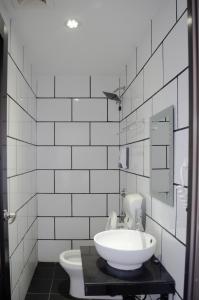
[[125, 249]]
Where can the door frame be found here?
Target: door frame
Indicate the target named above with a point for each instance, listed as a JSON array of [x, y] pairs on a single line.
[[4, 245], [191, 291]]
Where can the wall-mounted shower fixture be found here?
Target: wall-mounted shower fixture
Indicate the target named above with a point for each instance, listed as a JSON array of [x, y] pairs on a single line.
[[114, 96]]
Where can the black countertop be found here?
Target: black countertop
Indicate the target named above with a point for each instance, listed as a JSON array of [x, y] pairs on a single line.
[[152, 278]]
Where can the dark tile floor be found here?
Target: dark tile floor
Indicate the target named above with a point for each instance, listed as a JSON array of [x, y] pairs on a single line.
[[50, 282]]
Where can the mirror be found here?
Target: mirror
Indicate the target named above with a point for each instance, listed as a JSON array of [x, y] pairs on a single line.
[[161, 152]]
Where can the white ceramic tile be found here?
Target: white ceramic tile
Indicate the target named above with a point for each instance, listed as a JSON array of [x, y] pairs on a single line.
[[54, 205], [103, 83], [173, 258], [143, 188], [131, 66], [11, 157], [123, 180], [45, 86], [104, 133], [136, 158], [113, 203], [176, 297], [165, 98], [138, 91], [154, 229], [72, 181], [153, 74], [113, 157], [181, 142], [143, 120], [49, 251], [26, 157], [32, 210], [72, 228], [45, 133], [57, 157], [72, 86], [78, 243], [127, 102], [89, 205], [89, 157], [131, 183], [90, 110], [181, 6], [12, 79], [53, 109], [21, 189], [72, 134], [164, 214], [45, 228], [45, 181], [146, 158], [144, 48], [15, 293], [13, 241], [97, 225], [129, 130], [181, 217], [104, 181], [113, 111], [22, 222], [183, 100], [123, 132], [176, 50], [163, 21], [16, 265], [16, 47]]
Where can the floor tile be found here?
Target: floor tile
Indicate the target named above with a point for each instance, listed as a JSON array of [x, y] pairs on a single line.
[[37, 297], [59, 297], [60, 273], [60, 286], [44, 273], [40, 285], [46, 265]]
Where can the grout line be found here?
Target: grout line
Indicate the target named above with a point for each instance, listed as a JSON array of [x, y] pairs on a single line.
[[71, 110], [54, 86], [54, 182], [71, 205], [148, 99], [15, 101], [9, 54], [54, 134], [90, 82], [154, 51], [151, 37], [176, 10]]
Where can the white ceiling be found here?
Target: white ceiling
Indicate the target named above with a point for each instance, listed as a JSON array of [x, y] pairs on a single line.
[[108, 32]]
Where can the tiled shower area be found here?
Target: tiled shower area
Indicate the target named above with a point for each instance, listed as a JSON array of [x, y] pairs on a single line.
[[64, 138]]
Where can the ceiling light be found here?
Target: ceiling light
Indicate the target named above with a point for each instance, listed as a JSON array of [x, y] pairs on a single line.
[[72, 23], [76, 99]]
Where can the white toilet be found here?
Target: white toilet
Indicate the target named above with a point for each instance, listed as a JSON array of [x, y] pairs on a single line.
[[71, 262]]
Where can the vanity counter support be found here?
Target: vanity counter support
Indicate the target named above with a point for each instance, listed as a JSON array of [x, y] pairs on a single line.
[[152, 278]]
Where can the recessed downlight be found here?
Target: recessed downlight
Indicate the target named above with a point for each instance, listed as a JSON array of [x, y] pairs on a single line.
[[72, 23]]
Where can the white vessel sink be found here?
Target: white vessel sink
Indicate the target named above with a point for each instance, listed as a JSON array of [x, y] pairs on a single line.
[[125, 249]]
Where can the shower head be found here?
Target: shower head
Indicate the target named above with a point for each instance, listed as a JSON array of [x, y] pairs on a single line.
[[112, 96]]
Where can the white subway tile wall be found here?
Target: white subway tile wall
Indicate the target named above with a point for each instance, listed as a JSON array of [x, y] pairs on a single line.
[[21, 164], [77, 161], [161, 81]]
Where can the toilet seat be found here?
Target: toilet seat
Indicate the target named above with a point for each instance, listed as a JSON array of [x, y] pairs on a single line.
[[71, 259]]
